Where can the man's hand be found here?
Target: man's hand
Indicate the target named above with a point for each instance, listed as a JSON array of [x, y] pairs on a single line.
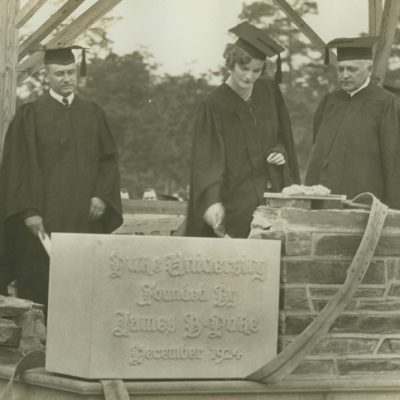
[[97, 208], [276, 158], [214, 216], [35, 225]]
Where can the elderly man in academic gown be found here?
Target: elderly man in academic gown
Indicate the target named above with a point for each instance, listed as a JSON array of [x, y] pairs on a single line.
[[59, 173], [357, 130]]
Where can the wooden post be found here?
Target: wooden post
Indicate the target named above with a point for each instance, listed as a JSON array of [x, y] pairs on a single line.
[[8, 63], [375, 15], [66, 36], [305, 28], [388, 25], [43, 31]]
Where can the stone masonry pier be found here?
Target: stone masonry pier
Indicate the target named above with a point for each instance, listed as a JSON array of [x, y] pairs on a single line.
[[317, 249]]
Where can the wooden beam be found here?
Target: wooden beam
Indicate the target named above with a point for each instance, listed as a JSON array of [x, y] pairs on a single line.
[[375, 15], [53, 22], [388, 25], [64, 38], [8, 63], [303, 27], [28, 11]]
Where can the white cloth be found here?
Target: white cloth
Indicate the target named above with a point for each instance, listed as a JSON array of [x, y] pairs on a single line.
[[60, 98], [363, 86]]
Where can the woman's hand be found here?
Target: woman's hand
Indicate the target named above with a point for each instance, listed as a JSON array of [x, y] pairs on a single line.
[[214, 216], [276, 158], [35, 225]]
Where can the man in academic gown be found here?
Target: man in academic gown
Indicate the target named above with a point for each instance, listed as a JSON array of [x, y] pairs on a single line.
[[59, 173], [357, 130]]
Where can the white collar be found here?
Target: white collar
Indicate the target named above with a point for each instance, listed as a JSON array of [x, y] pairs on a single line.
[[363, 86], [59, 98]]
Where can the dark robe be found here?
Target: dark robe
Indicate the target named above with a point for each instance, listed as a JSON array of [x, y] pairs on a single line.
[[357, 144], [55, 160], [232, 140]]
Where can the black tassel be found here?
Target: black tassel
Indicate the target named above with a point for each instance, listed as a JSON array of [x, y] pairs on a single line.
[[278, 72], [326, 58], [83, 63]]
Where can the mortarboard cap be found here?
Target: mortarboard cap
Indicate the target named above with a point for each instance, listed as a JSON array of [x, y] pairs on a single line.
[[358, 48], [258, 44], [64, 56]]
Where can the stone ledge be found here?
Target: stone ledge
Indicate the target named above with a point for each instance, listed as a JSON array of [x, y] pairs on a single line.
[[300, 387]]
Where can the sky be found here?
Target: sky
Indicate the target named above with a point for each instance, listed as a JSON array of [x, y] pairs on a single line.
[[190, 35]]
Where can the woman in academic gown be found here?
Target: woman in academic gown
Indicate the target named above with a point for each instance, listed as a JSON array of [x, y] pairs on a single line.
[[243, 144]]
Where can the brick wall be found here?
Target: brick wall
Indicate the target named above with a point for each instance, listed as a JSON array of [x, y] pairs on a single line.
[[317, 248]]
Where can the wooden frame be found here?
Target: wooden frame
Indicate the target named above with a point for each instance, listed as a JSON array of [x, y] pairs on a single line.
[[382, 21], [8, 62]]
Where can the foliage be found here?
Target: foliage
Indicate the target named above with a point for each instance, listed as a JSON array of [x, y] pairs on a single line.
[[151, 117]]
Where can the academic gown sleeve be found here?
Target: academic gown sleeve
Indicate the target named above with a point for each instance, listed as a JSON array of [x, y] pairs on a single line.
[[315, 163], [21, 184], [108, 182], [208, 163], [318, 117], [390, 151]]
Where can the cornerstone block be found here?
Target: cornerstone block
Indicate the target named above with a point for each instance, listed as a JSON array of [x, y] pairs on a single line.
[[145, 307]]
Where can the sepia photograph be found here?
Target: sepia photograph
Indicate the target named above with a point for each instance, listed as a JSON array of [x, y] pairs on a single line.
[[200, 199]]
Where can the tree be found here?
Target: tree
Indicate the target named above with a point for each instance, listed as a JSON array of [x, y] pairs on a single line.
[[151, 117]]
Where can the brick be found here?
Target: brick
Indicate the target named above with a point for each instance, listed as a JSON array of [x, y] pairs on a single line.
[[294, 299], [346, 245], [12, 306], [319, 305], [347, 367], [392, 220], [315, 367], [9, 356], [369, 292], [268, 235], [318, 292], [268, 213], [345, 346], [294, 325], [298, 244], [331, 218], [390, 346], [368, 324], [393, 269], [328, 272], [336, 219], [283, 203], [394, 290], [10, 334], [379, 305]]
